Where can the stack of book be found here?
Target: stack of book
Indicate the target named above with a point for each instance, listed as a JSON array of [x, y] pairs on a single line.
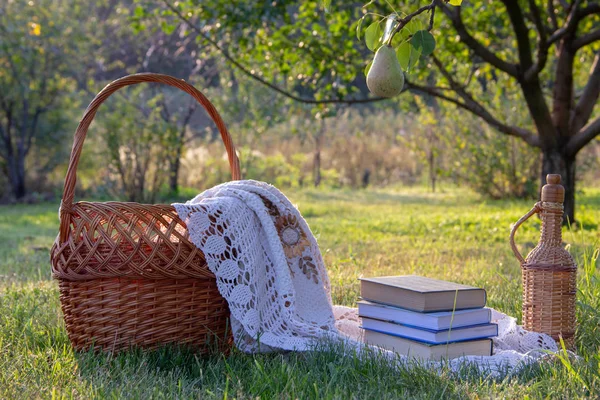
[[425, 318]]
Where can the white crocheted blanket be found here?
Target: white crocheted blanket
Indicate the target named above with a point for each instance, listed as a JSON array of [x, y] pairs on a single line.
[[270, 271]]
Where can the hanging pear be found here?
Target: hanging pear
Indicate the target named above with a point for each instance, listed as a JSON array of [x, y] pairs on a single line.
[[385, 78]]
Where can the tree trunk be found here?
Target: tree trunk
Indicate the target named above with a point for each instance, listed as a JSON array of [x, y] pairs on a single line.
[[555, 162], [366, 178], [317, 167], [174, 164], [317, 159], [432, 173], [16, 175]]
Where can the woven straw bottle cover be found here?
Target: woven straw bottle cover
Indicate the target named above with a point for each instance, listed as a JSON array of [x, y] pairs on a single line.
[[549, 273]]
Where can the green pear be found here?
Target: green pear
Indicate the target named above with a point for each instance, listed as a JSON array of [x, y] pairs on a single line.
[[385, 78]]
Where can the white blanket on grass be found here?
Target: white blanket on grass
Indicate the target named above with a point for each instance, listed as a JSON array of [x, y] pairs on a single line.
[[270, 271]]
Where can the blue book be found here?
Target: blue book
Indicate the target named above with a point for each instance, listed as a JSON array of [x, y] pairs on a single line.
[[431, 336], [436, 320]]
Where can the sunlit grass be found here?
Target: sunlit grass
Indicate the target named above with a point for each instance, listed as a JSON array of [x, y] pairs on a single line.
[[449, 235]]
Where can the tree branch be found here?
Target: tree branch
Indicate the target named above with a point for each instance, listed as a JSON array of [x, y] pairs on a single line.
[[530, 86], [585, 105], [257, 78], [524, 134], [403, 21], [4, 139], [564, 4], [590, 9], [32, 128], [191, 108], [5, 134], [542, 45], [165, 114], [482, 51], [186, 120], [552, 14], [583, 137], [570, 24], [479, 110], [515, 14], [436, 92], [586, 39]]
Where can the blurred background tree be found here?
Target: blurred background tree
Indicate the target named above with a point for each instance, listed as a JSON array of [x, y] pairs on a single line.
[[288, 79], [542, 57], [36, 76]]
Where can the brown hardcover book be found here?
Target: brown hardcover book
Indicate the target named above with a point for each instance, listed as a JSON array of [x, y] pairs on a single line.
[[413, 348], [422, 294]]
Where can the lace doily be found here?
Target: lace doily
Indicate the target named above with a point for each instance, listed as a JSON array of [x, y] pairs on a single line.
[[270, 270]]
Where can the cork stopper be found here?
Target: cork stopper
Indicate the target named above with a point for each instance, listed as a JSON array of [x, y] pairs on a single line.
[[553, 191]]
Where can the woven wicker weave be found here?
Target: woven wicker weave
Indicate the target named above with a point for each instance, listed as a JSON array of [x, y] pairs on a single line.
[[549, 272], [128, 274]]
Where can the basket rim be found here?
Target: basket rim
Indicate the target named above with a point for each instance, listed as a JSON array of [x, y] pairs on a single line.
[[123, 202], [90, 112]]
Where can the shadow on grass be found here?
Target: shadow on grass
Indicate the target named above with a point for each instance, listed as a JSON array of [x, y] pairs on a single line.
[[331, 372], [170, 371], [128, 363]]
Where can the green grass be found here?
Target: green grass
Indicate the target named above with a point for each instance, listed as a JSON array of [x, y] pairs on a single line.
[[451, 235]]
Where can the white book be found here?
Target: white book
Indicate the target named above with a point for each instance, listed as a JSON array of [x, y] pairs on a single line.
[[435, 320], [429, 335]]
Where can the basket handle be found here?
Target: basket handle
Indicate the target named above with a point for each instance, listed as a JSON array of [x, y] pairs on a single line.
[[90, 112], [536, 209]]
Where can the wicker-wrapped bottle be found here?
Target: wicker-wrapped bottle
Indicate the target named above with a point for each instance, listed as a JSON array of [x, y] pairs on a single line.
[[549, 272]]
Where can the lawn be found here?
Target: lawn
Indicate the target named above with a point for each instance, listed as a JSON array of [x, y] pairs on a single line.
[[449, 235]]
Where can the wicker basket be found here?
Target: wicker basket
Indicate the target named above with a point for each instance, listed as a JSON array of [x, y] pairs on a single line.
[[549, 273], [127, 272]]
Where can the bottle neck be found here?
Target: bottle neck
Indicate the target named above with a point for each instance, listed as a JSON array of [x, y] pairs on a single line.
[[552, 216]]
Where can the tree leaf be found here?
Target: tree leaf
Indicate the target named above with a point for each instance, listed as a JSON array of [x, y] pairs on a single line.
[[358, 26], [415, 54], [139, 11], [368, 67], [407, 55], [424, 41], [455, 2], [167, 28], [397, 40], [372, 36], [403, 55], [327, 6], [413, 26]]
